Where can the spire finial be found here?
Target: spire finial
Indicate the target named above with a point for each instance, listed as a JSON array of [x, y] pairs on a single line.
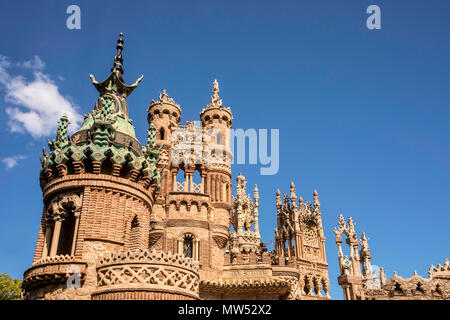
[[118, 60], [215, 99], [215, 89], [278, 199], [256, 194], [61, 134]]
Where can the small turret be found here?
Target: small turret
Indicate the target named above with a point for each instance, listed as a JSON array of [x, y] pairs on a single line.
[[217, 117], [165, 114]]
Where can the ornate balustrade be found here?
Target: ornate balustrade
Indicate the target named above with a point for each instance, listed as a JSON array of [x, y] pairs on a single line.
[[53, 269], [180, 187], [184, 187], [145, 274], [196, 187]]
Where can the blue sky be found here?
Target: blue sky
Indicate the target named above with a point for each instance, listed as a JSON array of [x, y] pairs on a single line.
[[363, 114]]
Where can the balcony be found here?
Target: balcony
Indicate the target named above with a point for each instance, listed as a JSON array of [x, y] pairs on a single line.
[[53, 269], [145, 274]]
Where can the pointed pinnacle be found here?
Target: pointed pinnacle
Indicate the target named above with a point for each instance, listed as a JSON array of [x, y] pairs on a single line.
[[118, 60]]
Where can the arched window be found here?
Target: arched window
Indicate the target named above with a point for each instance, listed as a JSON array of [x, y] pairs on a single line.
[[196, 182], [61, 230], [188, 246], [161, 134], [179, 182], [66, 235], [134, 233]]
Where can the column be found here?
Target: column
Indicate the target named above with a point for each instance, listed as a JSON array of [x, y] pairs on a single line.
[[213, 187], [217, 196], [202, 186], [186, 182], [354, 263], [289, 247], [75, 233], [56, 233], [297, 246], [174, 181], [180, 247], [340, 256], [223, 196], [324, 257], [195, 249], [256, 220], [47, 239]]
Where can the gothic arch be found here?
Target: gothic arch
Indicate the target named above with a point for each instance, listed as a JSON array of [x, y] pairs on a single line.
[[188, 245]]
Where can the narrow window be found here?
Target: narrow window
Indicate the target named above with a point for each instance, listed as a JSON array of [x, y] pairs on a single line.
[[188, 246], [66, 235], [134, 233]]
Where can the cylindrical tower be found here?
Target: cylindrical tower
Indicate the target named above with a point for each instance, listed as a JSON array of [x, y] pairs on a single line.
[[165, 114], [216, 122], [98, 189]]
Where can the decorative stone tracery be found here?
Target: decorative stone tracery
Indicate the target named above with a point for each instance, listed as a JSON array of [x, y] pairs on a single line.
[[147, 270]]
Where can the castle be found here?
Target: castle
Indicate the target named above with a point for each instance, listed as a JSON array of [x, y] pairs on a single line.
[[126, 221]]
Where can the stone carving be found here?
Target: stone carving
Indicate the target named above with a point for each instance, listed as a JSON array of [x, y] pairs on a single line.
[[310, 238], [63, 203], [151, 270], [244, 240], [363, 283], [216, 102], [107, 132], [164, 99]]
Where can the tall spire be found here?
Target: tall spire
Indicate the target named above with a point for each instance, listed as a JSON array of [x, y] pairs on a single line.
[[118, 60], [114, 84]]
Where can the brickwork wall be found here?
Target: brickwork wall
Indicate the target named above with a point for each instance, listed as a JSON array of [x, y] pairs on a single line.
[[108, 207]]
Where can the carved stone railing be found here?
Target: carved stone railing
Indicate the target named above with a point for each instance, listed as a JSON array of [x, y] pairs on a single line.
[[53, 269], [413, 288], [196, 187], [247, 237], [180, 187], [132, 272]]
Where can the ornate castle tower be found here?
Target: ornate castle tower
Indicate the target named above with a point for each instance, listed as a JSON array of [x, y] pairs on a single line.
[[247, 272], [99, 189], [300, 244], [126, 221], [190, 217]]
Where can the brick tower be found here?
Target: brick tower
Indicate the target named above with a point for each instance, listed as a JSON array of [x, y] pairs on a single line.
[[123, 220], [99, 188], [190, 217]]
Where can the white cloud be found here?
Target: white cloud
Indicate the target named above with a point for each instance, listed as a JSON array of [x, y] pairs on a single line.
[[11, 162], [35, 64], [37, 105]]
